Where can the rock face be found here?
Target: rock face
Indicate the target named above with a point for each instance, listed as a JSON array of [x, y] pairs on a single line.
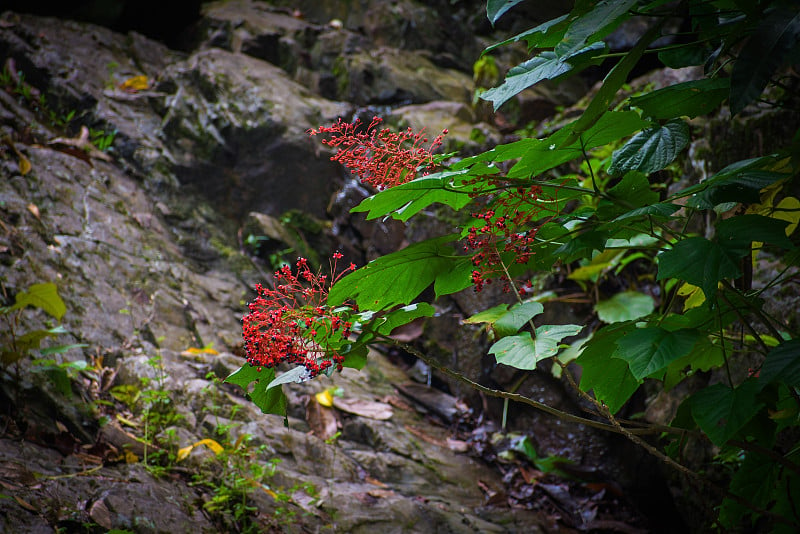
[[143, 232]]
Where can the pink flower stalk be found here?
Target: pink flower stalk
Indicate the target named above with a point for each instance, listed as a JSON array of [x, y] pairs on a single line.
[[291, 322], [381, 158]]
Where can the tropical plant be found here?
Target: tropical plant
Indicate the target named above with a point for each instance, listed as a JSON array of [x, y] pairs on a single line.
[[600, 197]]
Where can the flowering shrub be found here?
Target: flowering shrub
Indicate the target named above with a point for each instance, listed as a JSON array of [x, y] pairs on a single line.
[[291, 322], [558, 204], [380, 157]]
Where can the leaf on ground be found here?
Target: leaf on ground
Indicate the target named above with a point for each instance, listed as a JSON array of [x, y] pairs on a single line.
[[624, 306], [210, 443], [370, 409]]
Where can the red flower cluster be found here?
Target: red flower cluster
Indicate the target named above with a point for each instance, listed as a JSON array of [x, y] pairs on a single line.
[[506, 232], [291, 323], [381, 158]]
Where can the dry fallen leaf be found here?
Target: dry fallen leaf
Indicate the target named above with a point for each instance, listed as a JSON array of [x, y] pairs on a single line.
[[25, 504], [136, 83], [82, 142], [210, 443], [321, 419], [364, 408]]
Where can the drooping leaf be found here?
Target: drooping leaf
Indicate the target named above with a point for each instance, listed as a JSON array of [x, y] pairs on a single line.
[[700, 262], [782, 364], [404, 315], [524, 352], [545, 35], [687, 99], [651, 349], [661, 210], [652, 149], [767, 50], [397, 278], [545, 66], [496, 8], [604, 17], [43, 296], [292, 376], [271, 401], [609, 378], [624, 306], [721, 411], [404, 201]]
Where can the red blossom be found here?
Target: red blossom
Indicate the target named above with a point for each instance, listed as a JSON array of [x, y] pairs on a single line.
[[291, 322], [380, 157]]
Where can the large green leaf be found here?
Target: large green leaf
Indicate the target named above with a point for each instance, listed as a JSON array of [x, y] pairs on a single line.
[[545, 66], [271, 401], [767, 50], [738, 182], [496, 8], [609, 378], [601, 20], [721, 411], [651, 150], [651, 349], [782, 364], [700, 262], [410, 198], [397, 278], [687, 99], [524, 352], [42, 296], [624, 306], [754, 481]]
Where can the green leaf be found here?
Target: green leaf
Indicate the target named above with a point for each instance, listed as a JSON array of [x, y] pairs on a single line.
[[737, 233], [755, 481], [624, 306], [294, 375], [700, 262], [387, 323], [662, 210], [545, 154], [545, 66], [651, 150], [508, 321], [609, 378], [704, 356], [397, 278], [687, 99], [523, 352], [782, 364], [650, 350], [271, 401], [42, 296], [721, 411], [32, 340], [765, 52], [611, 83], [738, 182], [545, 35], [410, 198], [601, 20], [496, 8], [685, 56]]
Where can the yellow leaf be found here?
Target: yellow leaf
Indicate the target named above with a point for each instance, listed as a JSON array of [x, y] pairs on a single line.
[[788, 209], [325, 398], [194, 351], [210, 443], [694, 296], [137, 83], [24, 164], [127, 422], [130, 458]]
